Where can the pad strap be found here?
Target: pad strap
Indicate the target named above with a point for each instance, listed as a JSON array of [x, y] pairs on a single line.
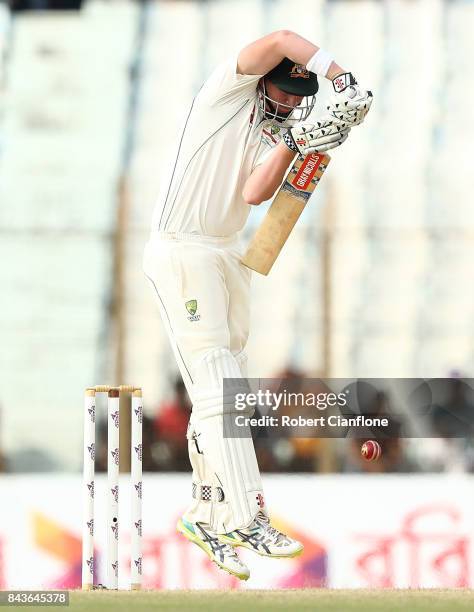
[[205, 493]]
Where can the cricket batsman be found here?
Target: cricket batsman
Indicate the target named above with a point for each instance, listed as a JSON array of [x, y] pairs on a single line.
[[241, 133]]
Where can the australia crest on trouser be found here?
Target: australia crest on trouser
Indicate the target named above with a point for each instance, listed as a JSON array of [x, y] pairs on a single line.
[[191, 307]]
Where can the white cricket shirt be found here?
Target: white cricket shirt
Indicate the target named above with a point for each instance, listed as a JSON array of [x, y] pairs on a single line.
[[223, 139]]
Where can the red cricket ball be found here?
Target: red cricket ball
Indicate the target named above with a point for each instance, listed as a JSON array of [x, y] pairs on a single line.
[[371, 450]]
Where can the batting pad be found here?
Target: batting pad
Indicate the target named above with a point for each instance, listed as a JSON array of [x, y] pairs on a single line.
[[242, 360], [227, 465]]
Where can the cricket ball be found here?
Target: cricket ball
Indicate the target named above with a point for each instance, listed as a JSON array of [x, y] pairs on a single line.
[[371, 450]]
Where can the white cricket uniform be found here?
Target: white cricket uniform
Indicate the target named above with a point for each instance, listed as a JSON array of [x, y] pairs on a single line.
[[216, 152], [192, 261]]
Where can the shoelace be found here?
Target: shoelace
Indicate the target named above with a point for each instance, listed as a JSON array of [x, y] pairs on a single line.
[[271, 533], [229, 551]]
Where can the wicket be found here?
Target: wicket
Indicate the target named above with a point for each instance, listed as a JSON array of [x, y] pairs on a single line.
[[113, 430]]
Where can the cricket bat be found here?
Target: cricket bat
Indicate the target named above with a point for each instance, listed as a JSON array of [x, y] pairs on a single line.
[[287, 206]]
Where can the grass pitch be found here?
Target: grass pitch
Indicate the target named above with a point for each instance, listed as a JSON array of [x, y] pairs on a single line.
[[321, 600]]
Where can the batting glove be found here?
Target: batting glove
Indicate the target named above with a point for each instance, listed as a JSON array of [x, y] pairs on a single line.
[[306, 138], [350, 104]]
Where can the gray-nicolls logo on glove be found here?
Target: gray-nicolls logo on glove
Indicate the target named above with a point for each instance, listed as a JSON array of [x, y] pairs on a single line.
[[343, 81]]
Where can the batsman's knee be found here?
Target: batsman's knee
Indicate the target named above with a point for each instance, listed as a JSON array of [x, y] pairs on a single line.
[[217, 383]]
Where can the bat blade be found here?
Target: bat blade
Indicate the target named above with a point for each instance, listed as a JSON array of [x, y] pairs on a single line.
[[287, 206]]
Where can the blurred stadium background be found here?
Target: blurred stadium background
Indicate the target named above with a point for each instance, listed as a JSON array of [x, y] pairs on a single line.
[[376, 279]]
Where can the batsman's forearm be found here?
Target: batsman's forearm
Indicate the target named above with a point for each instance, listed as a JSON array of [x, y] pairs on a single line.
[[334, 71], [300, 50], [267, 177], [265, 53]]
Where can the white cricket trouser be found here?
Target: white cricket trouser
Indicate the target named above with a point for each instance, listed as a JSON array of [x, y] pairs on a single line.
[[203, 295]]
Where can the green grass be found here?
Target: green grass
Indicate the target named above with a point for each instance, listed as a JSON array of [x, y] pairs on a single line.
[[310, 599]]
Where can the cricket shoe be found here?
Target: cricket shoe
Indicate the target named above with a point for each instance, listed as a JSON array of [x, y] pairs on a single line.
[[221, 553], [264, 539]]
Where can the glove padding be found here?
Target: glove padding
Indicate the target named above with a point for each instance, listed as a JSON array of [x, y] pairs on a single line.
[[306, 138], [350, 104], [351, 111]]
